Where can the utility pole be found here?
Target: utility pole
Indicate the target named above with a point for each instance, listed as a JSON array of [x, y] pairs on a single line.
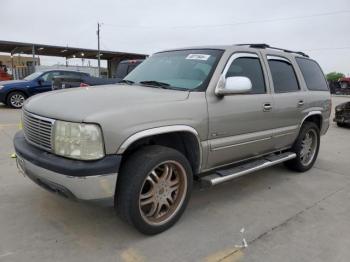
[[33, 54], [98, 48]]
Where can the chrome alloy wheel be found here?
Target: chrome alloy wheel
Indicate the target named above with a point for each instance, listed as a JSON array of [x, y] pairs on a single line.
[[308, 147], [17, 100], [163, 192]]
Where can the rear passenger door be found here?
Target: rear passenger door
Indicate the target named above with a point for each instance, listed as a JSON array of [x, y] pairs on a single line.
[[289, 100]]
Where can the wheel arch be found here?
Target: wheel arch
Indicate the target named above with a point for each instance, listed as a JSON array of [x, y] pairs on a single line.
[[180, 137], [313, 116], [16, 90]]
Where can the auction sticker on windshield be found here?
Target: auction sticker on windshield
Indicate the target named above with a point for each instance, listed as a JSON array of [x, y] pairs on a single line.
[[198, 57]]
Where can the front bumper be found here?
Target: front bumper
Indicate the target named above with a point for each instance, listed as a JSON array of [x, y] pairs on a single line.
[[80, 180], [2, 97], [343, 119]]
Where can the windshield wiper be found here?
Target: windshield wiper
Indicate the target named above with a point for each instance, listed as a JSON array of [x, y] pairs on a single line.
[[154, 83], [125, 81]]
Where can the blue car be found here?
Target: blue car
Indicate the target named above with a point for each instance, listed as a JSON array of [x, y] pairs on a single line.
[[13, 93]]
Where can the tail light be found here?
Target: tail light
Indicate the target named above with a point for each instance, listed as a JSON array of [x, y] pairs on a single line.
[[83, 85]]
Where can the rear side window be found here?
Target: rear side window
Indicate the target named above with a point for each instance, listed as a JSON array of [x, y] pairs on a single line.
[[132, 67], [50, 75], [71, 73], [312, 74], [122, 70], [283, 76], [249, 67]]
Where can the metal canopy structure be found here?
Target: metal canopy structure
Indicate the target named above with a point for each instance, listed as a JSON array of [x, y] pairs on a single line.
[[64, 51]]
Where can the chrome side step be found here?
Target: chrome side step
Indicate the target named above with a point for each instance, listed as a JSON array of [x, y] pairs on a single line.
[[221, 176]]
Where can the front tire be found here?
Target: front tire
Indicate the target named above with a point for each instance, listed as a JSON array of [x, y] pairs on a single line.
[[154, 188], [15, 99], [306, 148], [340, 124]]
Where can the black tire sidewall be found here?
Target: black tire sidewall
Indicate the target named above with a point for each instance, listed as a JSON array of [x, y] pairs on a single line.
[[297, 163], [132, 176], [8, 100]]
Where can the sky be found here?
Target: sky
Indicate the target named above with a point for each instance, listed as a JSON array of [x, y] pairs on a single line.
[[318, 27]]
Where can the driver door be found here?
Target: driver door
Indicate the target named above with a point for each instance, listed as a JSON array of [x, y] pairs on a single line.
[[241, 125], [44, 83]]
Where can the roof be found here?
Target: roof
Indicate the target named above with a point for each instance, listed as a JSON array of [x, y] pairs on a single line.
[[248, 46], [64, 51]]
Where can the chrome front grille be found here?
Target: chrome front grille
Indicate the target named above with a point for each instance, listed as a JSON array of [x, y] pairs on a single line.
[[38, 130]]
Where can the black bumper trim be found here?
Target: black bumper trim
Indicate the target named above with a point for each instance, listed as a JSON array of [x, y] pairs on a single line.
[[70, 167]]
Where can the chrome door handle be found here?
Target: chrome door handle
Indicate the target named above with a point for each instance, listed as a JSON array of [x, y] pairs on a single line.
[[300, 103], [267, 107]]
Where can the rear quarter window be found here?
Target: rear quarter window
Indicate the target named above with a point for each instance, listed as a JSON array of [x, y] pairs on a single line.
[[313, 75]]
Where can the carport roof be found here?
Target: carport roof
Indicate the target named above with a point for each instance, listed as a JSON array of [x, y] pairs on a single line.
[[64, 51]]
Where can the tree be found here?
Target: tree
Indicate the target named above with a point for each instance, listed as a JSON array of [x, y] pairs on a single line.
[[334, 76]]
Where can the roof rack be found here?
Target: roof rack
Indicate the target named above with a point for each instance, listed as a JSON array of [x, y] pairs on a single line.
[[264, 46]]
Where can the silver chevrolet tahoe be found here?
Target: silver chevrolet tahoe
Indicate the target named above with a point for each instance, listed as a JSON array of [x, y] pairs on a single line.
[[209, 114]]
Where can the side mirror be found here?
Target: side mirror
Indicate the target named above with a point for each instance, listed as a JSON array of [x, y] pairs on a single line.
[[40, 81], [233, 85]]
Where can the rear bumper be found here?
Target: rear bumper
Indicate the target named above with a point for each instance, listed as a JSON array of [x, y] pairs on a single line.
[[78, 180]]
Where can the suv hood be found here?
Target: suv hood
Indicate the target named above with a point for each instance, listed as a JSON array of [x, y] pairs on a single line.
[[88, 104]]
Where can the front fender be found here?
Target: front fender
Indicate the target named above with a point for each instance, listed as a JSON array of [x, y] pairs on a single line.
[[156, 131]]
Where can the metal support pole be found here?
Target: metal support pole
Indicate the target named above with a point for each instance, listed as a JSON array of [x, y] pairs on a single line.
[[98, 48], [12, 67], [33, 53]]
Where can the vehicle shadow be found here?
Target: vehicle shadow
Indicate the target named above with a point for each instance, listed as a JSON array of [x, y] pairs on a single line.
[[89, 223]]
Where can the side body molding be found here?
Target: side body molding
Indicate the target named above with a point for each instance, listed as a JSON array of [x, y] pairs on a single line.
[[158, 131]]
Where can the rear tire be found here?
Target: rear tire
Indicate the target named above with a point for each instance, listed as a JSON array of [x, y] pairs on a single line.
[[340, 124], [154, 188], [306, 148], [15, 99]]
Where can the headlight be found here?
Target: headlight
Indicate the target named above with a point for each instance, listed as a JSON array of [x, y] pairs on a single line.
[[337, 109], [1, 87], [78, 140]]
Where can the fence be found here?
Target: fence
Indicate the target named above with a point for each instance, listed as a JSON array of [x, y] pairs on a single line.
[[21, 72]]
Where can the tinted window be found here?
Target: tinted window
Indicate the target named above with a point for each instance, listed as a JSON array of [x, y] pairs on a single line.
[[50, 75], [74, 74], [283, 76], [122, 70], [249, 67], [312, 74], [132, 67]]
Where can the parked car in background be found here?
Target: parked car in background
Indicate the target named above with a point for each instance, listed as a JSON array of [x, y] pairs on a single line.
[[211, 114], [13, 93], [126, 66], [344, 82], [69, 81], [4, 75], [342, 114]]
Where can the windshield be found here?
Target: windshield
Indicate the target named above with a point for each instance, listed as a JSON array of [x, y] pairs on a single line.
[[183, 69], [32, 76]]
